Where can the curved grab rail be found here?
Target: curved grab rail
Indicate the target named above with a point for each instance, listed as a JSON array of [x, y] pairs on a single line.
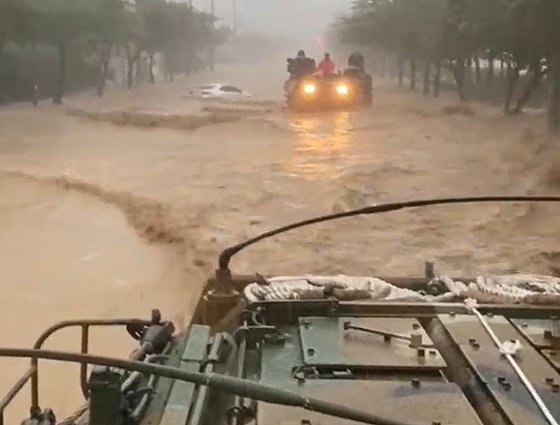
[[15, 390], [85, 325], [33, 372]]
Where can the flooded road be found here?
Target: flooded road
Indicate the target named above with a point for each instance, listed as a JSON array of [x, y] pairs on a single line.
[[64, 255], [111, 207]]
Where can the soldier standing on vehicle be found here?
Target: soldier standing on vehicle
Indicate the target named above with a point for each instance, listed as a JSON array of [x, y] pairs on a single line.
[[301, 65], [298, 67], [356, 60], [326, 66]]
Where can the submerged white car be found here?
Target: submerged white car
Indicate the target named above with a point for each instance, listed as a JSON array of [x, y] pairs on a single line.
[[221, 91]]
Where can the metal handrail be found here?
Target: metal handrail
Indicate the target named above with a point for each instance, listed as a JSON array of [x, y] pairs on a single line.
[[33, 372], [233, 385], [14, 391]]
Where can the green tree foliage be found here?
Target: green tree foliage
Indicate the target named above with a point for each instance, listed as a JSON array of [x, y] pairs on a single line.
[[159, 28], [75, 39], [61, 23], [459, 34]]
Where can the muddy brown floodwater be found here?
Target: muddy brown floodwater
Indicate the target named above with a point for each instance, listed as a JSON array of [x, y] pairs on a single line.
[[65, 256], [109, 207]]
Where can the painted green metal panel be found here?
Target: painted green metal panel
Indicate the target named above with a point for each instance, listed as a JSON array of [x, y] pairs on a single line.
[[180, 399], [325, 342], [432, 401], [498, 375], [535, 330], [278, 360], [163, 385]]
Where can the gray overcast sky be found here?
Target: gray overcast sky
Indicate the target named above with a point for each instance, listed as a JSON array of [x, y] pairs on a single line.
[[303, 19]]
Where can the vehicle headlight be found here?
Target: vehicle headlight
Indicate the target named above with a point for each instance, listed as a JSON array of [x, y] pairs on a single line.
[[309, 88], [342, 89]]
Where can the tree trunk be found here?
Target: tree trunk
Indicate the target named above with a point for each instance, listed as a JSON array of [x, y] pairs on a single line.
[[137, 69], [468, 70], [513, 77], [3, 97], [426, 78], [412, 74], [34, 75], [400, 65], [458, 69], [3, 38], [130, 72], [132, 62], [103, 68], [151, 68], [437, 78], [61, 80], [2, 41], [129, 68], [490, 74], [534, 82], [391, 70], [477, 69], [554, 101]]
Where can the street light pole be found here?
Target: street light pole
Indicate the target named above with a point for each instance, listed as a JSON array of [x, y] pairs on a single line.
[[213, 15]]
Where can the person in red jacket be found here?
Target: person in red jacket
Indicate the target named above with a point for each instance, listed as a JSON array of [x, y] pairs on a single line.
[[326, 66]]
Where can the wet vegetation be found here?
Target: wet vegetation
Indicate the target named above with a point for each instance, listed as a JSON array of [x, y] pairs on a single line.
[[485, 49], [48, 47]]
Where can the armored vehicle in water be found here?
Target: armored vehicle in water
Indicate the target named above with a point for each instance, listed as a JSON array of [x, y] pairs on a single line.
[[307, 90], [307, 350]]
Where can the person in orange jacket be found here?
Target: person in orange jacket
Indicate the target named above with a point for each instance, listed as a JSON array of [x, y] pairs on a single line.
[[326, 66]]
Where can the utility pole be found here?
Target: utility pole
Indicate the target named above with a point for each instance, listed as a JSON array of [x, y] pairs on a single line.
[[212, 11], [234, 8]]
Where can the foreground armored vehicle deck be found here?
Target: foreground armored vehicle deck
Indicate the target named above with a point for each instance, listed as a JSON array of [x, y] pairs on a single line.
[[330, 350]]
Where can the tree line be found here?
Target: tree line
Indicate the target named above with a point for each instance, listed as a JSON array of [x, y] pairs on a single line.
[[480, 44], [50, 46]]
